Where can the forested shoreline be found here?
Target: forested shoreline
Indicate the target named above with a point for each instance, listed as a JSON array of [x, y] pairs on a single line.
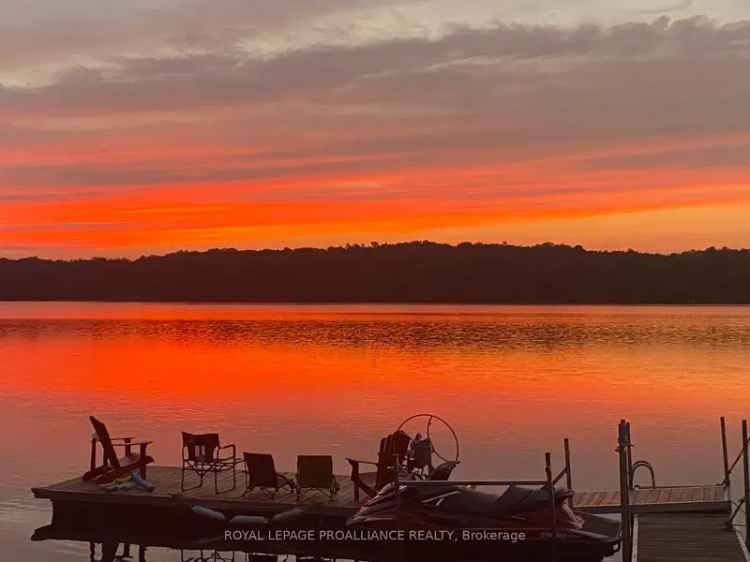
[[419, 272]]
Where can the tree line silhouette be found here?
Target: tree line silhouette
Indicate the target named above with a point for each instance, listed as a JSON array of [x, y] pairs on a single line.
[[420, 272]]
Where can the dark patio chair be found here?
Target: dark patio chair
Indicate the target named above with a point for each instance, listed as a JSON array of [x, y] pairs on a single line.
[[260, 472], [201, 454], [113, 467], [419, 463], [315, 473], [391, 457]]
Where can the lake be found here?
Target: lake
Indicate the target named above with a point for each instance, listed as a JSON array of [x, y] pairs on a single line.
[[290, 379]]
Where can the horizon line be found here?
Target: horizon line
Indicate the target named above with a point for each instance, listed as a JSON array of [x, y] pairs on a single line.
[[374, 245]]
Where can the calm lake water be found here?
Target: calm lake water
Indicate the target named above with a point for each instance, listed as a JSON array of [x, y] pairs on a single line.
[[290, 379]]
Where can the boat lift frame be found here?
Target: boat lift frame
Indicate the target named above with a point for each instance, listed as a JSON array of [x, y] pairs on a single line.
[[549, 481]]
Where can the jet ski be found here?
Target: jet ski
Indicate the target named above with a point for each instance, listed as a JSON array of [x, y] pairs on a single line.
[[516, 523]]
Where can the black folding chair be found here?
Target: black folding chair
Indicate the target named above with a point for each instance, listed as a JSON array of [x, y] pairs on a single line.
[[201, 454], [419, 463], [315, 472], [260, 472]]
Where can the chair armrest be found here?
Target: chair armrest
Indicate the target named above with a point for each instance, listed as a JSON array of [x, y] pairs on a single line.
[[122, 438], [131, 443], [233, 447], [355, 461], [128, 444]]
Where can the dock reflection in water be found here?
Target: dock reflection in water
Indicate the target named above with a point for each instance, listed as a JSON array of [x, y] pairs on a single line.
[[120, 545], [123, 552]]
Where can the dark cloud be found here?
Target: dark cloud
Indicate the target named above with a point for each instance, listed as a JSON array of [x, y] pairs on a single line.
[[721, 156], [676, 7], [86, 28], [156, 172], [500, 63], [497, 94]]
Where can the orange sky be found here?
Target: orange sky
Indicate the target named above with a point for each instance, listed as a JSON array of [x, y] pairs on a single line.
[[596, 135], [529, 202]]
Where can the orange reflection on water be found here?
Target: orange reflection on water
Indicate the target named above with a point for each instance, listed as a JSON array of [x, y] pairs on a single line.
[[513, 380]]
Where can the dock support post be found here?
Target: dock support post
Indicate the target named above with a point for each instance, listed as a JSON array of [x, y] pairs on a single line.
[[551, 486], [93, 454], [630, 456], [568, 476], [746, 480], [623, 449], [724, 452]]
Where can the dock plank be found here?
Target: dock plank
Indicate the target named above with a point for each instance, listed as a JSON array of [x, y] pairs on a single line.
[[166, 481], [686, 537], [667, 498], [167, 492]]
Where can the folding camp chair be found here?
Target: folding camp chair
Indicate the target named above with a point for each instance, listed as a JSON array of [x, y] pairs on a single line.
[[201, 455], [260, 472], [419, 463]]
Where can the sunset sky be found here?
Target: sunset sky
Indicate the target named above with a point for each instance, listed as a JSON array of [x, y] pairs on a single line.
[[154, 125]]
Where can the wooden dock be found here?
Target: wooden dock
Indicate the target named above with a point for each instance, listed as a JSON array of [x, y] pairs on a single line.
[[682, 523], [167, 483], [685, 523], [167, 493], [685, 537], [708, 498]]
